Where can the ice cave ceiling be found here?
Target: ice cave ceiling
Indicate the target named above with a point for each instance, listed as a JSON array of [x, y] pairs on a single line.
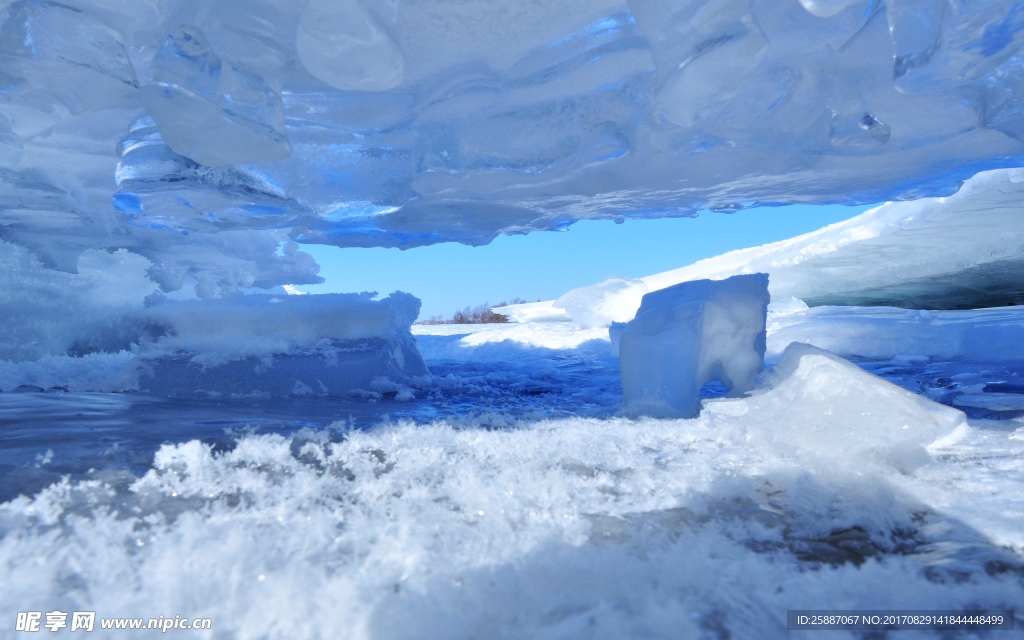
[[204, 134]]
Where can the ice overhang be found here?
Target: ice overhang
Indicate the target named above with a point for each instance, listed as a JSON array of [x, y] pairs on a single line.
[[157, 128]]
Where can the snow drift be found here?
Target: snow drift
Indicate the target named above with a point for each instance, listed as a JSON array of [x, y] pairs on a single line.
[[614, 299], [821, 404], [607, 527], [959, 252]]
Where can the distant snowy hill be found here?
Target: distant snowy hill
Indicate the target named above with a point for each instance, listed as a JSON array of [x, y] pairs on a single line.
[[961, 252]]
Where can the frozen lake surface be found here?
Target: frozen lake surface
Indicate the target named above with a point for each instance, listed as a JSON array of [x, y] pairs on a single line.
[[508, 498]]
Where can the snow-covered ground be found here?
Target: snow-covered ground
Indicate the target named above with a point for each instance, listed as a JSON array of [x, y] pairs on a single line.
[[510, 499]]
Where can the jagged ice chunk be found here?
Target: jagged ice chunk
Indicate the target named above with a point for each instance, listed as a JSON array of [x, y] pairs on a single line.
[[817, 403], [210, 110]]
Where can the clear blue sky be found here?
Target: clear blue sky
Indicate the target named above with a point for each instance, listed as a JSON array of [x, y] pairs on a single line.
[[544, 265]]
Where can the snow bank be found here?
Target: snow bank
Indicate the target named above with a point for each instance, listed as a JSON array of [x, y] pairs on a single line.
[[539, 334], [326, 344], [958, 252], [46, 312], [689, 334], [614, 299], [962, 251], [533, 312]]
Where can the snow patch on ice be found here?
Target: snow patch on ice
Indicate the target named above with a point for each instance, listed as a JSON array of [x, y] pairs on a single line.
[[823, 404], [533, 312], [533, 334], [620, 527]]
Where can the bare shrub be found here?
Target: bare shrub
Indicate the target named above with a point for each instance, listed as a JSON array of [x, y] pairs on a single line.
[[480, 314]]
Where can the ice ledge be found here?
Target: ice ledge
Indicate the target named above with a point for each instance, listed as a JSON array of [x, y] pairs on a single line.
[[330, 344]]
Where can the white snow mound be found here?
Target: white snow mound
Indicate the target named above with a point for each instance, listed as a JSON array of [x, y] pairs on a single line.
[[815, 402], [614, 299], [962, 251]]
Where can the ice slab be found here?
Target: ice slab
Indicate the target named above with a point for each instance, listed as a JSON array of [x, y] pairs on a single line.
[[347, 47], [89, 372], [996, 402], [981, 335], [68, 53], [332, 368], [328, 344], [595, 112], [209, 110], [687, 335]]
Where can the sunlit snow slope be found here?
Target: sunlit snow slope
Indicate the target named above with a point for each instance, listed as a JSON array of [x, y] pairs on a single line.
[[965, 251], [960, 252]]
